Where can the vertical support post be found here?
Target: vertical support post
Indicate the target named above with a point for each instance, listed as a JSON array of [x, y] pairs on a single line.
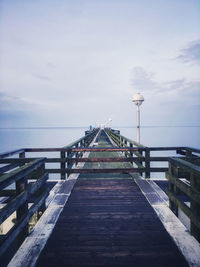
[[125, 145], [22, 156], [131, 152], [21, 186], [172, 188], [140, 161], [42, 208], [188, 153], [138, 124], [77, 154], [195, 207], [68, 162], [147, 163], [62, 165]]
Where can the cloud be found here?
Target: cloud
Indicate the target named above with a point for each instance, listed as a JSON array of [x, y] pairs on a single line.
[[172, 91], [190, 53], [141, 79], [7, 98], [42, 77], [51, 65], [9, 102]]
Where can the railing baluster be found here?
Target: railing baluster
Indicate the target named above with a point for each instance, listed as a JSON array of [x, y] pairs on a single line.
[[147, 163], [62, 165], [195, 206], [21, 186]]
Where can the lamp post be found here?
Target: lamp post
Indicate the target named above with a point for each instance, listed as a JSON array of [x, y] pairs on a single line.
[[138, 99]]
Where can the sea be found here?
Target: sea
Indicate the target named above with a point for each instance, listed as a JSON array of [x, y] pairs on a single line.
[[15, 138]]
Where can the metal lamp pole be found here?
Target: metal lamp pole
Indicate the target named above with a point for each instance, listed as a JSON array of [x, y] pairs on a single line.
[[138, 99]]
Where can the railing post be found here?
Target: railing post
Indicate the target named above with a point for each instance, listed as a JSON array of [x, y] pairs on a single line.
[[21, 186], [172, 188], [140, 161], [147, 162], [21, 156], [195, 207], [188, 153], [131, 152], [77, 154], [62, 165], [42, 208], [68, 162]]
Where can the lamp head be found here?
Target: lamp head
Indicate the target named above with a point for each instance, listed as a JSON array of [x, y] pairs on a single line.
[[138, 99]]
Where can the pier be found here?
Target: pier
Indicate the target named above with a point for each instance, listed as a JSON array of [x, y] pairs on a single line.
[[105, 209]]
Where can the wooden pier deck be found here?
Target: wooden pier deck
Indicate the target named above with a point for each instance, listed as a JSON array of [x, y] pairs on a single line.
[[107, 221]]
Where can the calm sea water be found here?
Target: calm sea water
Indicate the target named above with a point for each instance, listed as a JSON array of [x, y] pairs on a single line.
[[57, 137]]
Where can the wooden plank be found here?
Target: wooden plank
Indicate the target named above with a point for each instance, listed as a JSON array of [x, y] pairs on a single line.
[[7, 179], [11, 153], [12, 206], [117, 170], [192, 149], [107, 170], [165, 148], [83, 149], [7, 193], [190, 192], [8, 168], [194, 218], [185, 165], [33, 187], [104, 149], [70, 159], [109, 223], [6, 241], [120, 159], [16, 160]]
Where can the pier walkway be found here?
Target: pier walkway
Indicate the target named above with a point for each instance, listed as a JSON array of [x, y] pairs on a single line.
[[107, 221]]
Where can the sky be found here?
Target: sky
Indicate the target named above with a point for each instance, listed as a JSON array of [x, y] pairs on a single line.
[[78, 63]]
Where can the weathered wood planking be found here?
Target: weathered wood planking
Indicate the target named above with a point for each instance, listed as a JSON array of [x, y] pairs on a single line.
[[109, 223]]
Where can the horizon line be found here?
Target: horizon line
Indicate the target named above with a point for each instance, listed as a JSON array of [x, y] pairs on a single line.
[[86, 127]]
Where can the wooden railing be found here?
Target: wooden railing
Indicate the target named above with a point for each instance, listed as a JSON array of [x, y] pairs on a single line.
[[143, 158], [23, 192], [74, 156], [139, 156], [123, 141], [184, 189], [82, 142], [64, 158], [21, 170]]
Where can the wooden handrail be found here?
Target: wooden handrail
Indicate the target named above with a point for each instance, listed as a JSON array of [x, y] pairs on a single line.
[[8, 178], [18, 197], [11, 153], [179, 169]]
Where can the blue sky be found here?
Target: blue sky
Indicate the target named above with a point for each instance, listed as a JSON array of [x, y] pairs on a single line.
[[74, 63]]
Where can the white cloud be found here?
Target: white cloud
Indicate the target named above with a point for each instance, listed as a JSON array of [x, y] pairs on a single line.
[[190, 54], [173, 91]]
